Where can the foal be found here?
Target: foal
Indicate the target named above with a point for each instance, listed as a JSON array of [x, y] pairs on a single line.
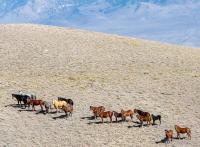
[[116, 114], [180, 130], [156, 117], [169, 135]]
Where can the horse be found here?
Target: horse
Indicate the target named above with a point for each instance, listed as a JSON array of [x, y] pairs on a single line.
[[169, 135], [68, 109], [35, 103], [47, 106], [97, 110], [32, 96], [126, 113], [58, 104], [105, 114], [21, 98], [116, 114], [156, 117], [69, 101], [180, 130], [144, 118], [142, 113]]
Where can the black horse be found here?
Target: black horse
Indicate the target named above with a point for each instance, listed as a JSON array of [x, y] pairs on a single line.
[[69, 101], [156, 117], [21, 98]]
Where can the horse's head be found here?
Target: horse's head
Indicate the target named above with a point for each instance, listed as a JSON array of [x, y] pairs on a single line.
[[176, 127], [53, 102]]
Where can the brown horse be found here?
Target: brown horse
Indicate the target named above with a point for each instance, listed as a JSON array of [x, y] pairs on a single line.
[[126, 114], [169, 135], [116, 114], [180, 130], [97, 110], [34, 103], [105, 114], [68, 109], [142, 113], [144, 118]]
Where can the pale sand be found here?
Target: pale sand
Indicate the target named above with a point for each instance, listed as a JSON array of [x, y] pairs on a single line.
[[95, 69]]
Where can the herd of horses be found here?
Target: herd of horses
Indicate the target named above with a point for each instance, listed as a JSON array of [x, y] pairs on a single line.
[[30, 100], [98, 111]]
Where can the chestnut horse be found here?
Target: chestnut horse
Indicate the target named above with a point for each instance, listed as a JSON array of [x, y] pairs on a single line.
[[169, 135], [97, 110], [126, 113], [180, 130], [144, 118], [105, 114], [34, 103]]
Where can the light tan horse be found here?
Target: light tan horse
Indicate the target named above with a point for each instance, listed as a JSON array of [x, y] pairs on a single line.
[[59, 104]]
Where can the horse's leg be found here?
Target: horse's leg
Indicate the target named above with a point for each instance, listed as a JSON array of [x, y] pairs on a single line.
[[110, 119], [32, 107], [20, 104], [116, 119], [178, 135], [131, 116], [141, 123], [41, 107], [102, 120]]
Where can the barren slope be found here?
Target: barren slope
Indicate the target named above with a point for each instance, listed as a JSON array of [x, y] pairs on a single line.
[[95, 69]]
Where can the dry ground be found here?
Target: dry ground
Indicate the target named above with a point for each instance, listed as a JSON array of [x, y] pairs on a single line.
[[95, 69]]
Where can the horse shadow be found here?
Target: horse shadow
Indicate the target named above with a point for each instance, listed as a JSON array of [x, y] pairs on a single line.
[[137, 126], [98, 122], [27, 110], [165, 140], [60, 117], [119, 121], [88, 117], [41, 112], [15, 106]]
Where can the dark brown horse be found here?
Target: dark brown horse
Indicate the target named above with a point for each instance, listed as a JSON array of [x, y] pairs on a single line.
[[180, 130], [117, 115], [105, 114], [142, 113], [68, 101], [68, 109]]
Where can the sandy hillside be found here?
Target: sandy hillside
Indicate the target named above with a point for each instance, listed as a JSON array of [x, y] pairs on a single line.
[[95, 69]]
